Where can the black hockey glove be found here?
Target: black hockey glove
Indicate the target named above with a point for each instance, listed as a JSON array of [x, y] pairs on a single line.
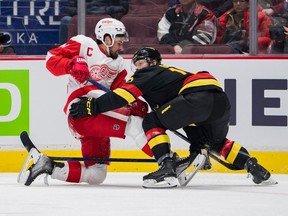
[[83, 108]]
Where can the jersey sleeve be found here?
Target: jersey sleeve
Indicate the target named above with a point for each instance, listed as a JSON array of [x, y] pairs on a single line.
[[142, 81], [109, 101], [58, 59], [119, 80], [139, 83]]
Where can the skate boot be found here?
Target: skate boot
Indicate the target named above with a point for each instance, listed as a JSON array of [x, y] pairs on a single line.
[[164, 177], [197, 161], [43, 165], [259, 173], [183, 163]]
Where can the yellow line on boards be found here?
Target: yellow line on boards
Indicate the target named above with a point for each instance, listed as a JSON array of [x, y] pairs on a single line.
[[11, 161]]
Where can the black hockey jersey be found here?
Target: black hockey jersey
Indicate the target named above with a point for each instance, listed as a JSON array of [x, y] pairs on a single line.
[[157, 85]]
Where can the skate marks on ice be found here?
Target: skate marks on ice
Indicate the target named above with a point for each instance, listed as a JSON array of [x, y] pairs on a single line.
[[122, 194], [205, 181]]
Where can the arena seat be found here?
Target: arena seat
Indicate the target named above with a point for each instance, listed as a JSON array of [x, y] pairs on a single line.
[[147, 8], [142, 32], [207, 49], [162, 48]]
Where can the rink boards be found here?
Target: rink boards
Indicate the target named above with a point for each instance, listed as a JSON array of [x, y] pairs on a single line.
[[32, 99]]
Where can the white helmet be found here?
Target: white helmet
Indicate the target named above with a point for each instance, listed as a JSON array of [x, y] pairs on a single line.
[[112, 27]]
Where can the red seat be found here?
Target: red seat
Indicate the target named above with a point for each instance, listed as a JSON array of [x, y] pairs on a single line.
[[162, 48], [142, 32], [145, 8], [207, 49]]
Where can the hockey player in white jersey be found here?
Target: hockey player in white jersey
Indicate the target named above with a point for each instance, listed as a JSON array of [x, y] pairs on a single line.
[[83, 58]]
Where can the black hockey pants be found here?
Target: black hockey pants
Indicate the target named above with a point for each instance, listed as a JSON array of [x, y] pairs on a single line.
[[203, 115]]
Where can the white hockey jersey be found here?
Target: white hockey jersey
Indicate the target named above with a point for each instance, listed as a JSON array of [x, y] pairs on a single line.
[[109, 72]]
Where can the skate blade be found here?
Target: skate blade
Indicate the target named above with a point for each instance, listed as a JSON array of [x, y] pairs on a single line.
[[169, 182], [30, 160], [198, 163], [270, 181]]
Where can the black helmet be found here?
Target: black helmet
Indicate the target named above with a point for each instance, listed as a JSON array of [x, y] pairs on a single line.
[[147, 53]]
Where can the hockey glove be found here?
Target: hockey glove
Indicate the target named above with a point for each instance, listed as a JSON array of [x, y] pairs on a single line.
[[139, 108], [83, 108], [79, 69]]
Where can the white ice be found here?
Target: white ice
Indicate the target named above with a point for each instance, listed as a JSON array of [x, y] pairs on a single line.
[[122, 195]]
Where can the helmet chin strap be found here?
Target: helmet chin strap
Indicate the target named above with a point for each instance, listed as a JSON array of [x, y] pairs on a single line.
[[108, 46]]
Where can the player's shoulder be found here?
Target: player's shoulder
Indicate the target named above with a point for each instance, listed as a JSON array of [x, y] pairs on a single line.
[[153, 69], [84, 39]]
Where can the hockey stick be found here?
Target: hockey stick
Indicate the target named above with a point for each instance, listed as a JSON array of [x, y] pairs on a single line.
[[101, 160], [28, 144], [213, 156], [95, 83]]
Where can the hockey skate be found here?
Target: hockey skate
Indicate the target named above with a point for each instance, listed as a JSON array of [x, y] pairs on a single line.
[[259, 174], [197, 161], [183, 163], [207, 164], [164, 177], [35, 164]]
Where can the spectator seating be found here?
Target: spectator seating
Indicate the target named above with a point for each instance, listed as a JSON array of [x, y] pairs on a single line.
[[162, 48], [143, 32], [142, 23], [207, 49], [145, 8]]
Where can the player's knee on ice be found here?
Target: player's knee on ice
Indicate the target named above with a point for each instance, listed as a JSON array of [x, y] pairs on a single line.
[[95, 174]]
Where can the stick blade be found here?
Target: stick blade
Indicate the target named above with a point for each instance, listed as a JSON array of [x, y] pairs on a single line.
[[26, 141]]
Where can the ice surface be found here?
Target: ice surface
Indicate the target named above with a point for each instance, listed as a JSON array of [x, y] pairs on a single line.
[[122, 195]]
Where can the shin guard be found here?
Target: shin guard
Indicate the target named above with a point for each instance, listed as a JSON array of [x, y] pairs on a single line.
[[159, 142], [234, 153]]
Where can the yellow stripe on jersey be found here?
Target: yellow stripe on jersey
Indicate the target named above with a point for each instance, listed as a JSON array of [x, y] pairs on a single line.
[[163, 138], [233, 152], [192, 125], [200, 82], [125, 95], [164, 110]]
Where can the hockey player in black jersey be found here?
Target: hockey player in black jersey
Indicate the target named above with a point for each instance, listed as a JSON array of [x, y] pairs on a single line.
[[194, 102]]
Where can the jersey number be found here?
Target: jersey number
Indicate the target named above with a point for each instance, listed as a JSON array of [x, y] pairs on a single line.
[[177, 70]]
